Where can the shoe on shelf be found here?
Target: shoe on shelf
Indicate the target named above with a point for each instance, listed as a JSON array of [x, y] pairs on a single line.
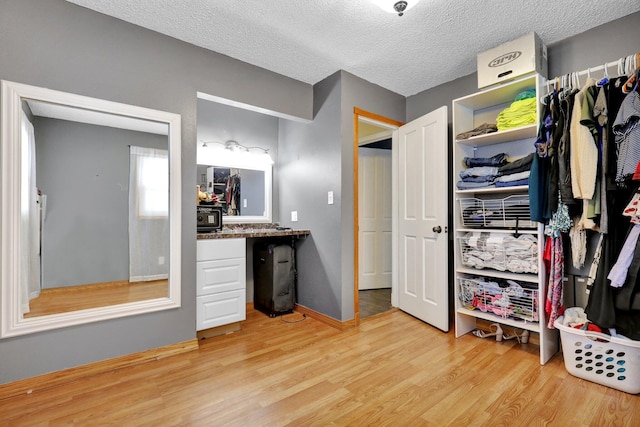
[[522, 338], [496, 331]]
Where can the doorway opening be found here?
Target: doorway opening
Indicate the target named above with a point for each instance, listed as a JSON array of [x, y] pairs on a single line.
[[372, 213]]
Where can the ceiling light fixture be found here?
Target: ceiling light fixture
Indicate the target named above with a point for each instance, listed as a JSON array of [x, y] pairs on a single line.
[[396, 6], [232, 152]]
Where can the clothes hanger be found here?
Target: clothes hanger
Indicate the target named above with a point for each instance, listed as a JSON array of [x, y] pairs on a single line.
[[632, 82], [621, 67], [603, 81], [544, 99]]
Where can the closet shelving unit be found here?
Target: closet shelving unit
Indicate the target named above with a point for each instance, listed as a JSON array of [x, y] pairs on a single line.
[[469, 112]]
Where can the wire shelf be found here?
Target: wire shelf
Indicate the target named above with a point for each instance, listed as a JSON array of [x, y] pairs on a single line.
[[504, 299], [510, 212]]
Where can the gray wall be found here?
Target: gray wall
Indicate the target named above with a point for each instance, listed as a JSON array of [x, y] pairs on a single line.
[[84, 171], [314, 159], [309, 166], [54, 44]]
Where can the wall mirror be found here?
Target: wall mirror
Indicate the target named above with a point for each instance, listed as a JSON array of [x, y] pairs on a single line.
[[90, 210], [243, 190]]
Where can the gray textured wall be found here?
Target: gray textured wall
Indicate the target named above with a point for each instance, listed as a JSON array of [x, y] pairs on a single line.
[[309, 166], [54, 44], [317, 158], [84, 171]]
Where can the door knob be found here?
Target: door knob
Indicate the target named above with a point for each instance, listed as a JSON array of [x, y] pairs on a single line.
[[437, 229]]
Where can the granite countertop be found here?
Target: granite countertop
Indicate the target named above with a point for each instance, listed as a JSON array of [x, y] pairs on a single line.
[[252, 230]]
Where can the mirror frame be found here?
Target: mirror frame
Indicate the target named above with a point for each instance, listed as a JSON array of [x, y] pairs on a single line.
[[11, 321]]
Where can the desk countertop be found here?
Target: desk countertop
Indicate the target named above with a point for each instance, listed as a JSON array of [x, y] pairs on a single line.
[[251, 232]]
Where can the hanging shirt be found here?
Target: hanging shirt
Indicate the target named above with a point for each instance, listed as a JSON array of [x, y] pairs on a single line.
[[554, 302], [584, 152], [626, 129], [618, 273]]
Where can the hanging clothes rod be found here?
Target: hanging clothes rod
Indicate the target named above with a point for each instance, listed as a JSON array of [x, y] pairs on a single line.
[[625, 66]]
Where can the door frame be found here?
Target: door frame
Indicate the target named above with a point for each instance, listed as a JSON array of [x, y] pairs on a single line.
[[383, 122]]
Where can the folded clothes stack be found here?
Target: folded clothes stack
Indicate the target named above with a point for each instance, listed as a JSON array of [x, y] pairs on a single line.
[[480, 130], [500, 252], [491, 172], [521, 112]]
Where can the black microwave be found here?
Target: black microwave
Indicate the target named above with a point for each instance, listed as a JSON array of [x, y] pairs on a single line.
[[209, 218]]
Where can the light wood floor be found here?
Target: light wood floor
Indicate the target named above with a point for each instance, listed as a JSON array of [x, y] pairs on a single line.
[[72, 298], [392, 370]]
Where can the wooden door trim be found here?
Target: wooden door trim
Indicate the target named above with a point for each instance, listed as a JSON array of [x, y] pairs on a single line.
[[357, 113]]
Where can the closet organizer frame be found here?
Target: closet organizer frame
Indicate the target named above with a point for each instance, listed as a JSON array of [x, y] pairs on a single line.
[[469, 112]]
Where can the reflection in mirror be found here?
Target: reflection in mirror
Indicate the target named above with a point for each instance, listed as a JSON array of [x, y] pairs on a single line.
[[241, 188], [92, 218], [239, 192]]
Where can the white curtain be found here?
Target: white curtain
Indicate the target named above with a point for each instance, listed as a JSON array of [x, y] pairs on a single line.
[[29, 218], [148, 214]]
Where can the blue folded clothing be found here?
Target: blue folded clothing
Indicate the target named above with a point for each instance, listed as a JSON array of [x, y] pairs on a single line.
[[497, 160], [462, 185], [524, 181], [483, 178], [479, 171]]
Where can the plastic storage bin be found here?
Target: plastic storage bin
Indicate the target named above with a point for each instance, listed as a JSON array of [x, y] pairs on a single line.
[[610, 361]]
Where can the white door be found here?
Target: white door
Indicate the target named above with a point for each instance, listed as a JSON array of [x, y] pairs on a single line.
[[422, 212], [374, 210]]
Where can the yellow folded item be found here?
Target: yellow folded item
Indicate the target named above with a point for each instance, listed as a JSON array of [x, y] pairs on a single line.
[[519, 113]]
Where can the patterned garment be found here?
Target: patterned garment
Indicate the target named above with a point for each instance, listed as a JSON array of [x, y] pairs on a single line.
[[633, 209], [554, 304], [626, 129]]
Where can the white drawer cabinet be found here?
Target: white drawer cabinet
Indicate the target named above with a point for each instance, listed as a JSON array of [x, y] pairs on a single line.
[[221, 282]]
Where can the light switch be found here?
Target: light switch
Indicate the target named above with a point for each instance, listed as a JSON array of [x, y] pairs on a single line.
[[294, 216], [330, 197]]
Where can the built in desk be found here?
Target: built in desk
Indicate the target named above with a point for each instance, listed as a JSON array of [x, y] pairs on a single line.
[[221, 296]]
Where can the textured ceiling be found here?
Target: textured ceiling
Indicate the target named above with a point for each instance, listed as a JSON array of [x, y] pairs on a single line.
[[435, 42]]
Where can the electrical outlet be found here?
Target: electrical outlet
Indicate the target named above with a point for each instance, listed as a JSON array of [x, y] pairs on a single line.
[[294, 216], [244, 203], [330, 197], [160, 260]]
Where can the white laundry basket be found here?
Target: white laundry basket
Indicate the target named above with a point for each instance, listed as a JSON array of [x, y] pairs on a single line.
[[610, 361]]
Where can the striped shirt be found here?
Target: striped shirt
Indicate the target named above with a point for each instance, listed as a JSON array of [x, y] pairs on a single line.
[[626, 129]]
